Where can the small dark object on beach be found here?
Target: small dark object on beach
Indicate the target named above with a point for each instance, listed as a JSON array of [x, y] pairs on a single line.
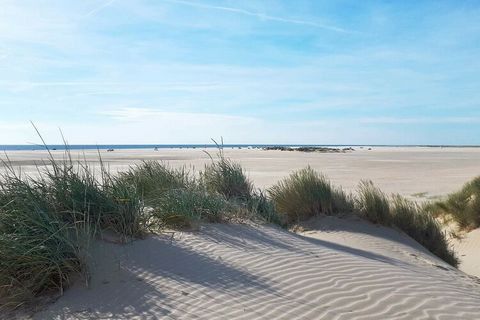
[[110, 150]]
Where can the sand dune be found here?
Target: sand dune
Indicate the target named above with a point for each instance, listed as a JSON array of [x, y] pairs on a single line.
[[468, 249], [341, 269]]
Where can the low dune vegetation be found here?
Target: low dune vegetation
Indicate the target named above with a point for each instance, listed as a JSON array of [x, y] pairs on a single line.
[[227, 178], [462, 207], [306, 193], [48, 223], [407, 216], [42, 234], [152, 178]]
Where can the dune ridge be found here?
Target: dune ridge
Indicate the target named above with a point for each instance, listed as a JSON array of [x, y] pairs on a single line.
[[336, 269]]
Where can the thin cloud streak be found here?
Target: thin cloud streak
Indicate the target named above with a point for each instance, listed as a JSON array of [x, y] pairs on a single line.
[[263, 16], [99, 8]]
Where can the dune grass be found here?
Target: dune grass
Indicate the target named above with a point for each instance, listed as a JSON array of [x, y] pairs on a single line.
[[372, 204], [73, 189], [176, 198], [261, 207], [420, 225], [407, 216], [152, 178], [306, 193], [227, 177], [185, 208], [47, 223], [463, 206], [127, 215], [40, 250]]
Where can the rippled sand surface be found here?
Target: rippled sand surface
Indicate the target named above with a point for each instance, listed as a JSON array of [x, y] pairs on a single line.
[[346, 269]]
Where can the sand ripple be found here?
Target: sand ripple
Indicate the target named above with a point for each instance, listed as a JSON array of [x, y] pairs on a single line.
[[348, 270]]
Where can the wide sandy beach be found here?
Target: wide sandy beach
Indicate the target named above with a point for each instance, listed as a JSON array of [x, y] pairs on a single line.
[[417, 172], [334, 269]]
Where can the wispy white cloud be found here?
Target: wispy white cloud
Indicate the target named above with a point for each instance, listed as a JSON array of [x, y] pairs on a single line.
[[263, 16], [99, 8]]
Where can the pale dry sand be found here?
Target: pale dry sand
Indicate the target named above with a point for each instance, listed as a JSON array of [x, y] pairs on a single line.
[[347, 270], [468, 249]]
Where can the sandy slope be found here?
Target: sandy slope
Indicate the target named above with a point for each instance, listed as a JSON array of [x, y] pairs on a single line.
[[468, 250], [348, 270]]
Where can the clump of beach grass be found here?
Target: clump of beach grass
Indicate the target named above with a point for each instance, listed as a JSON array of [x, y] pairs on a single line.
[[73, 189], [226, 177], [47, 223], [185, 208], [306, 193], [128, 216], [463, 206], [420, 225], [261, 207], [373, 204], [405, 215], [152, 178], [40, 251]]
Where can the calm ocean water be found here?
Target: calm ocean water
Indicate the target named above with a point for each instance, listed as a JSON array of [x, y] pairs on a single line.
[[148, 146], [180, 146]]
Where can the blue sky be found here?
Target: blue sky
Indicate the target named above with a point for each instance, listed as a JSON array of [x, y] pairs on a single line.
[[184, 71]]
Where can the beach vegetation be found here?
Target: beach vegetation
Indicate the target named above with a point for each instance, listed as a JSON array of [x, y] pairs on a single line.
[[226, 177], [152, 178], [185, 208], [306, 193], [40, 250], [407, 216], [262, 207], [46, 225], [463, 206], [372, 204], [422, 226]]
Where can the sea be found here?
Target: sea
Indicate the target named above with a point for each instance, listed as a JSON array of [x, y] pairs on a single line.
[[194, 146]]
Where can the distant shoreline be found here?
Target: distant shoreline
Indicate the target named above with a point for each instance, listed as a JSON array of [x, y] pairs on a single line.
[[193, 146]]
